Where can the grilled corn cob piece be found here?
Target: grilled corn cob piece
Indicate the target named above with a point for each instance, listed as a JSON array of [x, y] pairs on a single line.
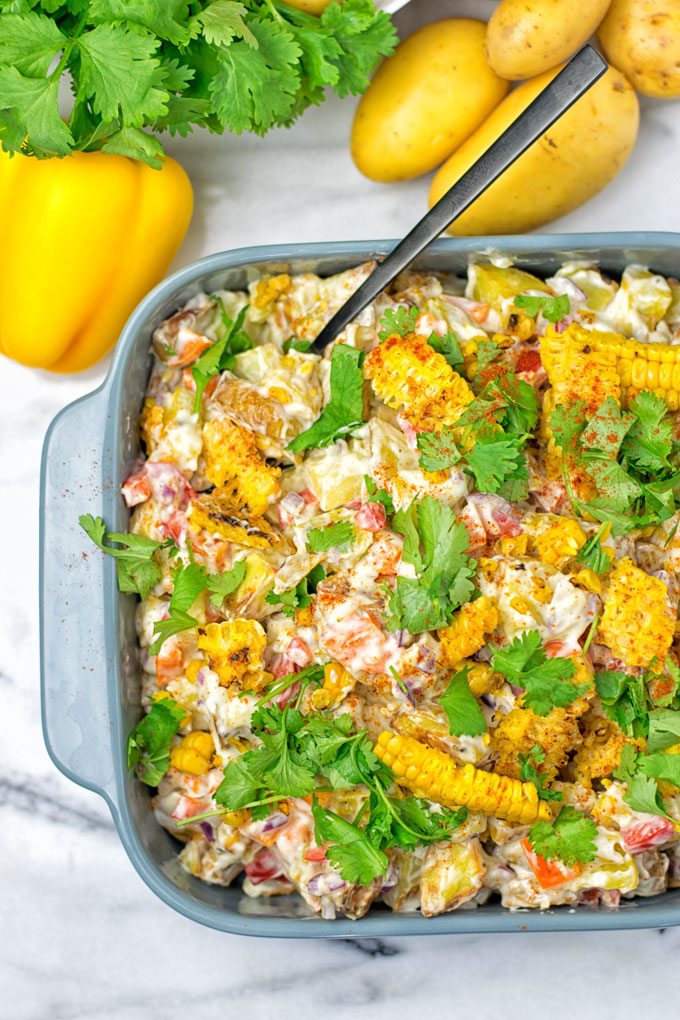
[[560, 542], [638, 366], [214, 514], [409, 376], [194, 754], [467, 632], [638, 620], [434, 775], [235, 650], [234, 464], [520, 730]]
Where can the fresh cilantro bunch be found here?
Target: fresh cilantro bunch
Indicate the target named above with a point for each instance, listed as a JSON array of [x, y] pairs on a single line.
[[148, 749], [546, 682], [144, 66], [298, 752], [570, 838], [344, 412], [630, 457], [436, 546]]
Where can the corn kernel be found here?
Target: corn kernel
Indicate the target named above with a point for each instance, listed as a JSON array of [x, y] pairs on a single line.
[[589, 580], [514, 545]]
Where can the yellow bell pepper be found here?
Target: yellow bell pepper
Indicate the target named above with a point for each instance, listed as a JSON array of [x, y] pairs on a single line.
[[84, 239]]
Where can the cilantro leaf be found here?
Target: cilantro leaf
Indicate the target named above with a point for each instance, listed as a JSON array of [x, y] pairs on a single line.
[[567, 423], [445, 570], [448, 346], [665, 767], [546, 682], [333, 536], [149, 743], [279, 765], [118, 72], [29, 42], [298, 597], [137, 570], [623, 699], [643, 795], [292, 344], [592, 555], [530, 773], [220, 356], [649, 441], [488, 351], [438, 450], [344, 412], [239, 785], [221, 585], [570, 838], [553, 309], [29, 111], [498, 463], [399, 321], [351, 853], [462, 708], [664, 729], [188, 583], [376, 495]]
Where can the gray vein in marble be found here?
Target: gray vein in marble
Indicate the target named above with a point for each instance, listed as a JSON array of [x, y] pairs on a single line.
[[36, 797]]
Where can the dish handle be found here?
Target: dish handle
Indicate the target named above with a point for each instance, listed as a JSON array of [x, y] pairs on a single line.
[[76, 654]]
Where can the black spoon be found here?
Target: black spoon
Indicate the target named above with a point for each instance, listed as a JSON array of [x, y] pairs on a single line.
[[582, 71]]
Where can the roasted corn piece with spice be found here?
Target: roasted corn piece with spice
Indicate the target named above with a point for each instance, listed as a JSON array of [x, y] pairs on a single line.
[[636, 366], [469, 630], [434, 775], [638, 622], [411, 377], [234, 464], [560, 542], [235, 650]]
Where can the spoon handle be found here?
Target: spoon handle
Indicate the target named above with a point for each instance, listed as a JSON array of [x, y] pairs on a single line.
[[582, 71]]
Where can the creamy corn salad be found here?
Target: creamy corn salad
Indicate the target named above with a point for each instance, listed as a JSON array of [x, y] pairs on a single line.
[[407, 611]]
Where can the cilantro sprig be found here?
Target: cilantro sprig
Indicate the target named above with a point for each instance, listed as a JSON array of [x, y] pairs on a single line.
[[189, 582], [546, 682], [570, 838], [641, 773], [220, 357], [552, 308], [298, 597], [376, 495], [593, 556], [462, 708], [436, 546], [137, 69], [332, 536], [448, 346], [530, 773], [149, 743], [399, 321], [137, 570], [344, 412], [629, 456]]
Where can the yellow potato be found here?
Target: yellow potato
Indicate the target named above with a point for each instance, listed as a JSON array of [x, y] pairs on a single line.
[[424, 101], [528, 37], [569, 164], [642, 37]]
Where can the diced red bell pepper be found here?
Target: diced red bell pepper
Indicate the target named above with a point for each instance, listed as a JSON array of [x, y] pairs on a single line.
[[645, 835], [548, 873]]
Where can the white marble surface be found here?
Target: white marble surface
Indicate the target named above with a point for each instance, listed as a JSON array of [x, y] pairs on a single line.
[[82, 937]]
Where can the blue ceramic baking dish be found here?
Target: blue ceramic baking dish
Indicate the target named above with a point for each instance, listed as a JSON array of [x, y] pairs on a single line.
[[90, 683]]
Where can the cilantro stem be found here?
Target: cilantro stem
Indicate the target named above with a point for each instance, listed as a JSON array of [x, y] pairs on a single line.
[[273, 11], [591, 633], [226, 810]]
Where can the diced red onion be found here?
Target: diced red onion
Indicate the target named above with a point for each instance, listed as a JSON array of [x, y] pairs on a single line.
[[517, 691], [207, 830], [276, 820]]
